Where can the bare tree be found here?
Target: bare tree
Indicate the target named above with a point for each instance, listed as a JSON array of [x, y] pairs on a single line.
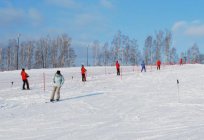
[[54, 50], [29, 54], [96, 52], [126, 49], [134, 53], [193, 54], [105, 54], [66, 41], [43, 53], [167, 44], [173, 56], [116, 47], [148, 50], [72, 57], [158, 44], [8, 57], [11, 55], [22, 55]]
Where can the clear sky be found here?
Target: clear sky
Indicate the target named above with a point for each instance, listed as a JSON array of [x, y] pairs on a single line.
[[88, 20]]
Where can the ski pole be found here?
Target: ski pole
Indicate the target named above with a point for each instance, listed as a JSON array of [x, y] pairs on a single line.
[[121, 73], [178, 90], [44, 81]]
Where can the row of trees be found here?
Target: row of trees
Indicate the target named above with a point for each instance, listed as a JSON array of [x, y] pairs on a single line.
[[46, 52], [126, 50], [56, 52], [159, 47], [122, 48]]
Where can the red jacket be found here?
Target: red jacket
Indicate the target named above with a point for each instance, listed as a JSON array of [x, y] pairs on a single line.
[[83, 70], [24, 75], [117, 65], [158, 62], [181, 61]]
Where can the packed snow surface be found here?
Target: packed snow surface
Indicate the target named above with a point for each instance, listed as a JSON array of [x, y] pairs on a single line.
[[133, 106]]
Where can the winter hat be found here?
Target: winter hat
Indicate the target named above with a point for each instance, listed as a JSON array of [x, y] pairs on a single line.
[[23, 69], [58, 72]]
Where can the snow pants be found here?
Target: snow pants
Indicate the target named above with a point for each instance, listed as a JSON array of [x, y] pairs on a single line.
[[56, 91], [83, 77], [27, 84], [143, 68], [158, 67], [118, 71]]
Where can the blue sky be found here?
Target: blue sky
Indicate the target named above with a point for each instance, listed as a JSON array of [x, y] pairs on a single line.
[[88, 20]]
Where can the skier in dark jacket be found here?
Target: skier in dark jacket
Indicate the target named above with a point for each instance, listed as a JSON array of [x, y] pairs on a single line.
[[143, 66]]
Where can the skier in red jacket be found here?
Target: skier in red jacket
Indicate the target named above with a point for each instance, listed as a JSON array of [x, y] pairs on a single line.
[[158, 64], [83, 73], [24, 76], [117, 67], [181, 61]]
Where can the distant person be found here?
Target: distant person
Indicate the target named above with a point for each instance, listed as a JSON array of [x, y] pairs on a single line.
[[83, 73], [181, 61], [58, 81], [24, 76], [143, 66], [158, 64], [117, 67]]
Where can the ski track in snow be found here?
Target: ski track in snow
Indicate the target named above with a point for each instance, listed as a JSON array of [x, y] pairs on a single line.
[[136, 106]]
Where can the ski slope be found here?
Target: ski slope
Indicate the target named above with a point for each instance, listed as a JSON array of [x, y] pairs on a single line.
[[134, 106]]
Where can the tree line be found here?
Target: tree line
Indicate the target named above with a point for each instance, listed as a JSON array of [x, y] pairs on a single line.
[[48, 52], [157, 47]]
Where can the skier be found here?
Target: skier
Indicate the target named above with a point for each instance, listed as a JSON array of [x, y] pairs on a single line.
[[143, 66], [117, 67], [24, 76], [83, 73], [181, 61], [58, 81], [158, 64]]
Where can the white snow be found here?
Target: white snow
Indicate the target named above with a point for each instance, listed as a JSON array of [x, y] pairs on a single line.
[[136, 106]]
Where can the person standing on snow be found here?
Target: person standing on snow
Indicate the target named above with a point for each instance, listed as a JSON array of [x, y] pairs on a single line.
[[181, 61], [24, 76], [83, 73], [143, 66], [58, 81], [158, 64], [117, 67]]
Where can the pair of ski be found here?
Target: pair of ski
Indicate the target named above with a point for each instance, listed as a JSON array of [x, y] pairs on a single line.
[[54, 101]]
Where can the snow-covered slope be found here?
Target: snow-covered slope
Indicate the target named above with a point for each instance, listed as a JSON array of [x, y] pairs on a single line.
[[134, 106]]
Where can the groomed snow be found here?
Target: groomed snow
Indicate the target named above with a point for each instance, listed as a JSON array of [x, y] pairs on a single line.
[[134, 106]]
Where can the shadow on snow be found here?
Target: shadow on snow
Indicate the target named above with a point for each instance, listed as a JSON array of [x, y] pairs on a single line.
[[82, 96]]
